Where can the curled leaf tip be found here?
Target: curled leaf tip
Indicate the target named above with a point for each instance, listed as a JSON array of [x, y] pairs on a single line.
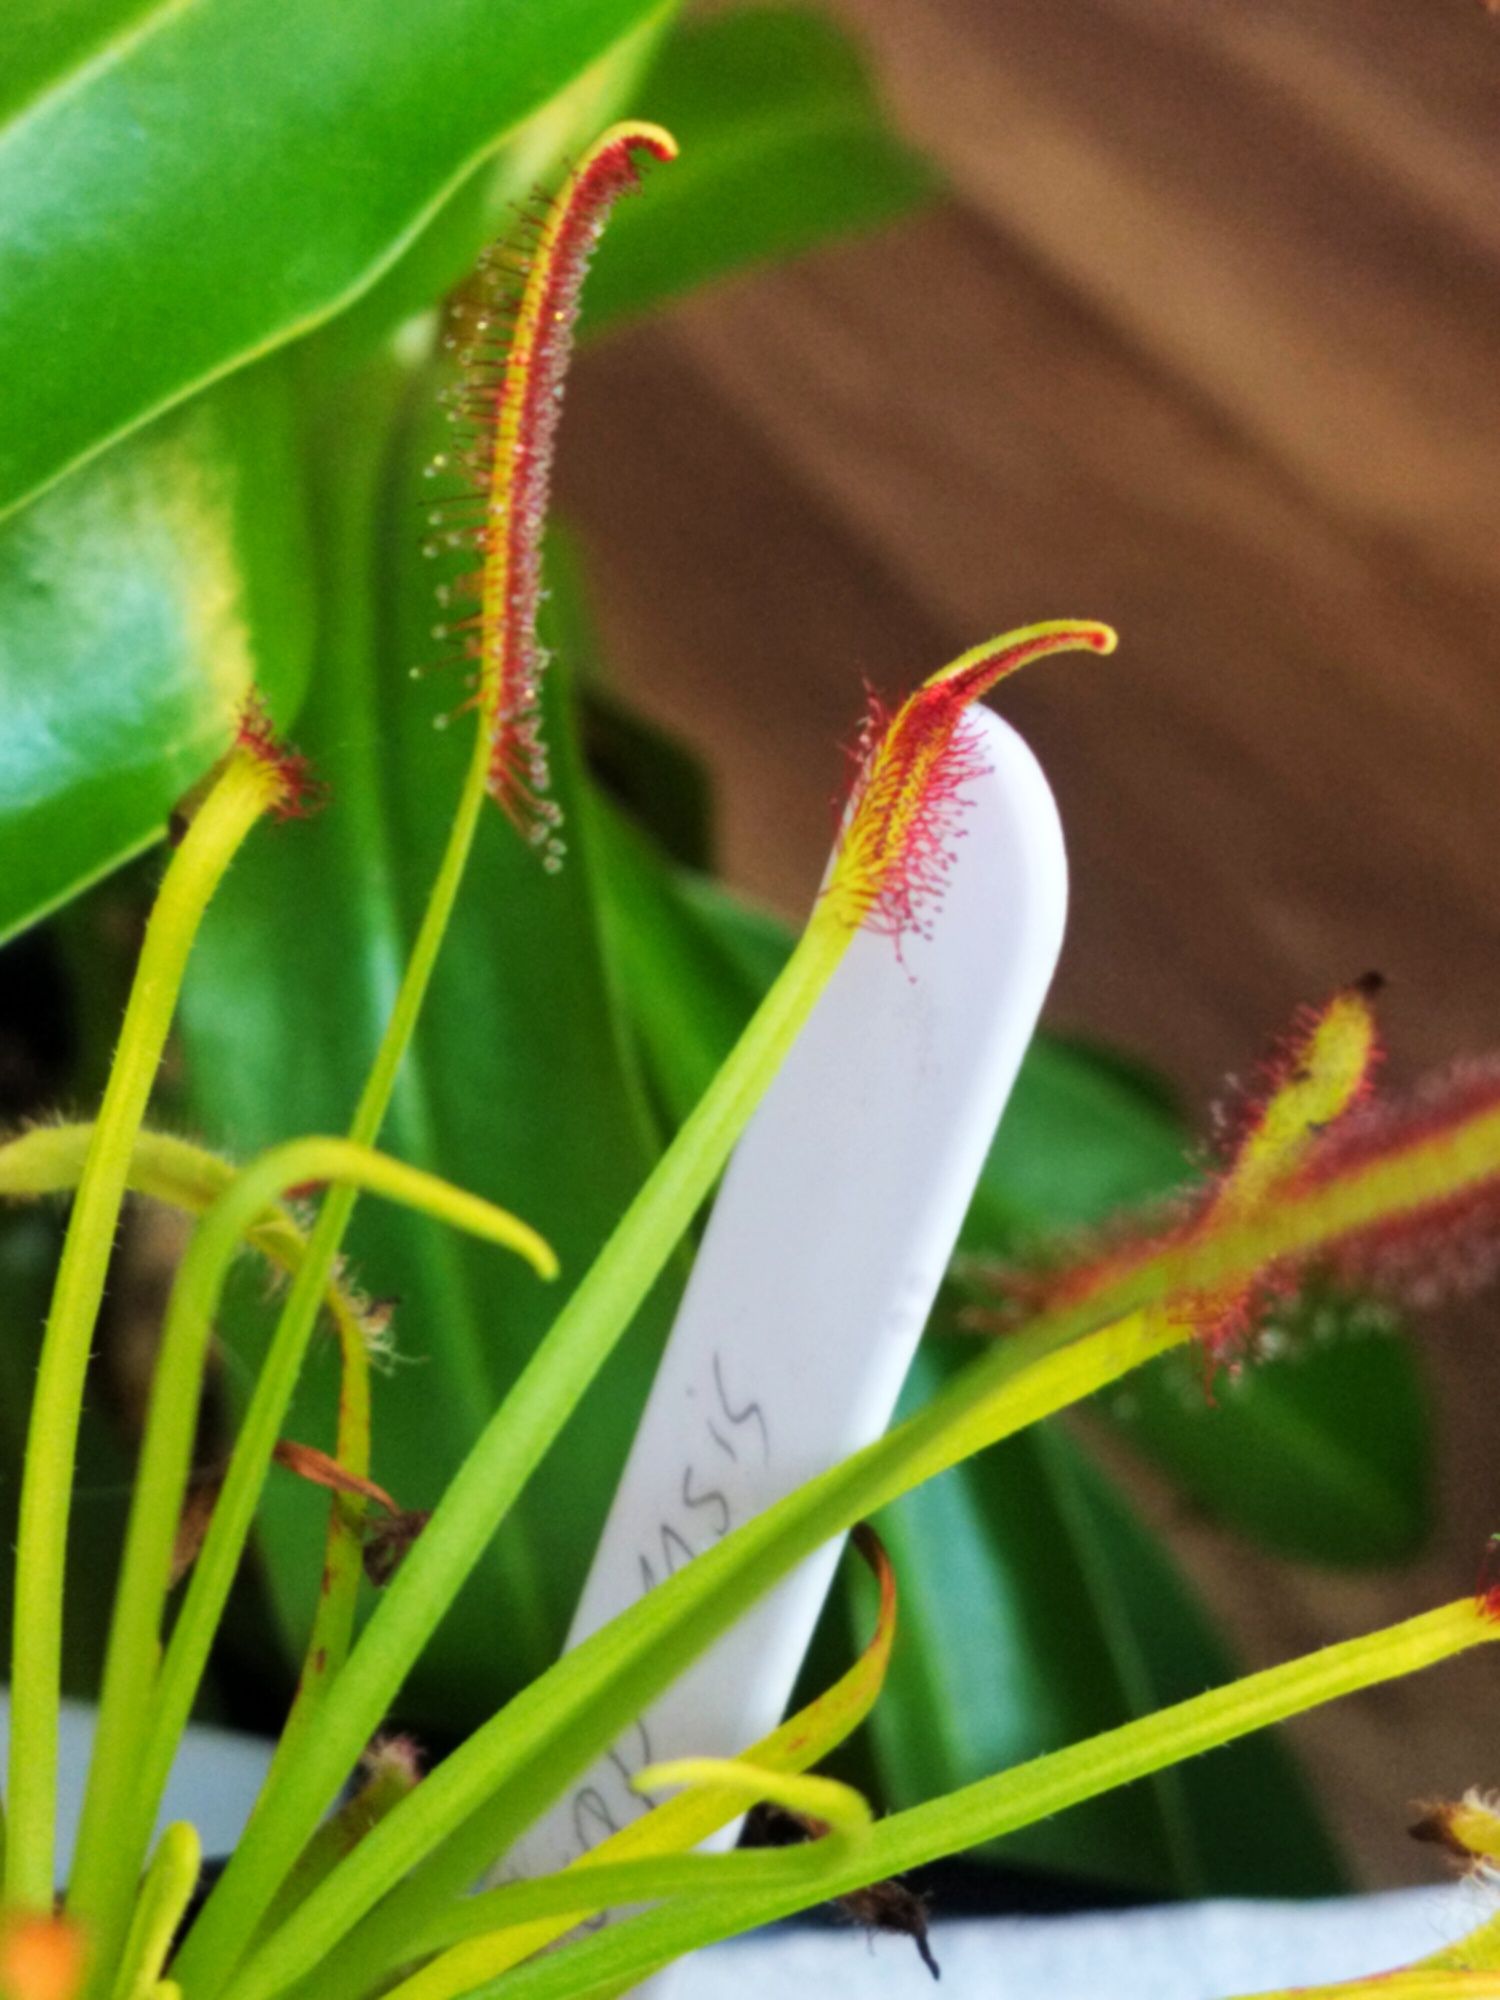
[[297, 793], [896, 847], [1314, 1076], [1318, 1071], [891, 1907], [827, 1804], [515, 339]]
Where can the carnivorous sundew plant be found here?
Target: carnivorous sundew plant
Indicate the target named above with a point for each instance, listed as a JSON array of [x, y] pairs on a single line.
[[356, 1874]]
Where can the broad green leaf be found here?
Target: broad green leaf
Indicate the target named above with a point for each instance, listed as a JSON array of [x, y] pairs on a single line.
[[1083, 1136], [1039, 1611], [517, 1086], [1029, 1552], [45, 39], [1324, 1454], [138, 602], [650, 775], [213, 179], [487, 203], [783, 146]]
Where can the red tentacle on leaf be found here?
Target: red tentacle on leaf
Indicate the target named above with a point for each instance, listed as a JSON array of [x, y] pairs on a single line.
[[299, 793], [896, 846], [1316, 1133], [517, 340]]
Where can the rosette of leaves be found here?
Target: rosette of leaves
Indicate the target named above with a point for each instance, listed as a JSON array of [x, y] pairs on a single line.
[[223, 347]]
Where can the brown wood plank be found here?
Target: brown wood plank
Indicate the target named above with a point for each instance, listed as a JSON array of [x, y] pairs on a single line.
[[1321, 304]]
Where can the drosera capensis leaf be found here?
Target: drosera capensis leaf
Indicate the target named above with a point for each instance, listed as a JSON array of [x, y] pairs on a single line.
[[1312, 1114], [896, 845], [119, 1790], [889, 826], [516, 345], [1318, 1074], [513, 489], [1315, 1077], [1322, 1450]]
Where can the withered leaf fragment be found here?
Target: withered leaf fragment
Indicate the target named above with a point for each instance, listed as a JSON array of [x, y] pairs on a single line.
[[888, 1906], [386, 1540]]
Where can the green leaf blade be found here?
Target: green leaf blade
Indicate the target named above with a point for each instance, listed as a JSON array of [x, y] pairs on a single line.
[[1323, 1454], [139, 602], [222, 177]]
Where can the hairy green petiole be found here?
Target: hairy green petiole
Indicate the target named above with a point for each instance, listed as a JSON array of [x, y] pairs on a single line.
[[245, 789]]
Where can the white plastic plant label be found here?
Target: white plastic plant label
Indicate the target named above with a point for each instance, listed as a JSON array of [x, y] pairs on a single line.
[[836, 1219]]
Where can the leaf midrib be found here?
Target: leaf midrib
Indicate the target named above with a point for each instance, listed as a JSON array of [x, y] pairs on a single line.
[[107, 55]]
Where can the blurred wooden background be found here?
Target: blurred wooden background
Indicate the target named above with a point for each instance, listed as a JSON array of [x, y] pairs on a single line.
[[1205, 341]]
